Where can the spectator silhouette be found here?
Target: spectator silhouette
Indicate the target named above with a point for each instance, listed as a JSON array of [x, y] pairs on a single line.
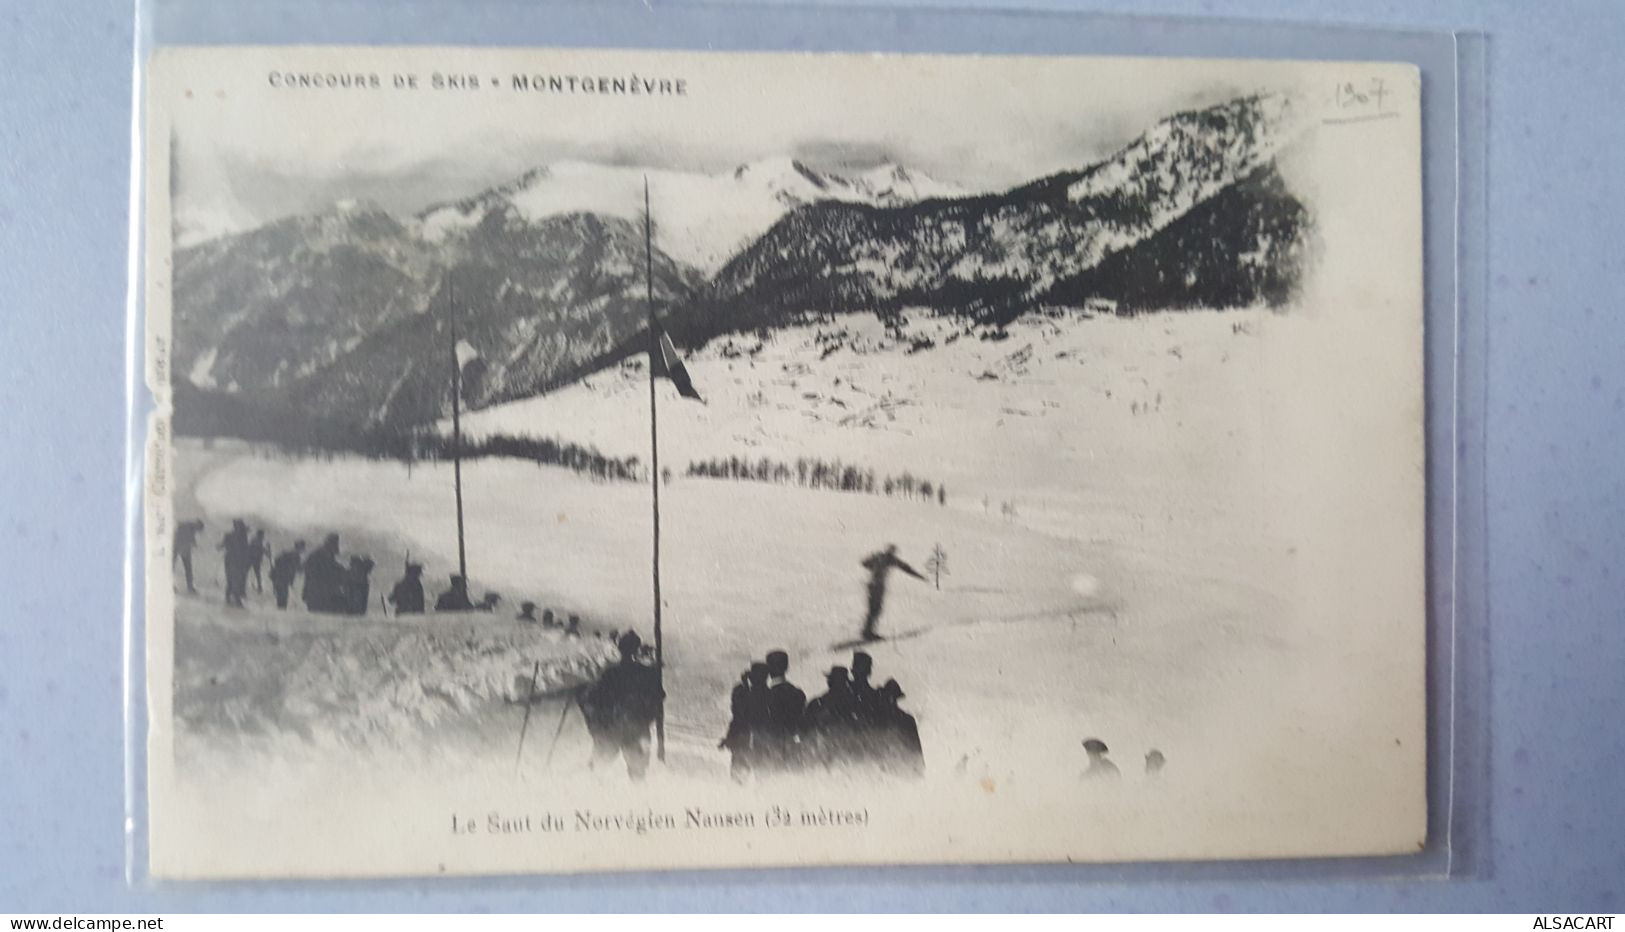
[[620, 708], [284, 570], [258, 552], [863, 693], [357, 585], [748, 703], [781, 748], [900, 753], [324, 577], [454, 599], [235, 546], [407, 595], [185, 541], [831, 724]]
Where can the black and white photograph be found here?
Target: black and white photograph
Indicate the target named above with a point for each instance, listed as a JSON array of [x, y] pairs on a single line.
[[619, 460]]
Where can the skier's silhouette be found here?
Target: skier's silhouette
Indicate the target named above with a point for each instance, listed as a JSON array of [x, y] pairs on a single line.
[[880, 564]]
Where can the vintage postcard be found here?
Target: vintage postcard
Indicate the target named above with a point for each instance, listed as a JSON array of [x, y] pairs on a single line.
[[610, 460]]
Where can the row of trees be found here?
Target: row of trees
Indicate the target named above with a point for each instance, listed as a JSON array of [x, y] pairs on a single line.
[[548, 451], [434, 446], [429, 446], [814, 473], [220, 415]]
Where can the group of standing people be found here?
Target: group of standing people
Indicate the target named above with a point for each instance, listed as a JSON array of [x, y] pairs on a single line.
[[853, 727], [336, 583], [408, 598], [332, 584], [244, 553]]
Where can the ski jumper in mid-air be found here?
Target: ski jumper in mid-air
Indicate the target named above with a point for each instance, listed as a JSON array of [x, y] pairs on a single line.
[[880, 564]]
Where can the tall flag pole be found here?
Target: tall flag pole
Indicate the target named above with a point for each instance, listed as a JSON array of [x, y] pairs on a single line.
[[456, 427], [654, 465]]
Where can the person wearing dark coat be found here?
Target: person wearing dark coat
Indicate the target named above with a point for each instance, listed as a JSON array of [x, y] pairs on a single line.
[[185, 541], [899, 753], [357, 591], [407, 595], [863, 692], [454, 599], [748, 705], [620, 708], [781, 745], [324, 577], [284, 569], [235, 546], [258, 550], [830, 728]]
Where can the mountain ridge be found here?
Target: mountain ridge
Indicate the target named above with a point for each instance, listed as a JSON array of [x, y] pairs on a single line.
[[344, 311]]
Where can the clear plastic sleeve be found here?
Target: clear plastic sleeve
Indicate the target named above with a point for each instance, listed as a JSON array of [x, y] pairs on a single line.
[[1453, 193]]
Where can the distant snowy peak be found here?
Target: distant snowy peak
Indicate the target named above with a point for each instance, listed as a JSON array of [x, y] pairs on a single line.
[[1159, 204], [795, 184], [700, 219], [894, 184], [196, 226], [1186, 158]]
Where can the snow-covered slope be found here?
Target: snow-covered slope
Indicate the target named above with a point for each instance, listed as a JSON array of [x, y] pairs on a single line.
[[988, 411], [701, 219], [1096, 480]]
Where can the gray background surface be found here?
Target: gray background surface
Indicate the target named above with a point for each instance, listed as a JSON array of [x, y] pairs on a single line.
[[1555, 428]]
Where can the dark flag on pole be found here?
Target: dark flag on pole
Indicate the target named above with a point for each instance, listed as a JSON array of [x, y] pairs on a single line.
[[670, 365]]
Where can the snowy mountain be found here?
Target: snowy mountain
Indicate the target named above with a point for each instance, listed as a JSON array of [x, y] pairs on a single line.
[[260, 310], [995, 255], [344, 315], [327, 311], [702, 219], [533, 301]]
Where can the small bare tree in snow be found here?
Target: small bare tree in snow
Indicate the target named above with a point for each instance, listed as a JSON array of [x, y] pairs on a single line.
[[937, 565]]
